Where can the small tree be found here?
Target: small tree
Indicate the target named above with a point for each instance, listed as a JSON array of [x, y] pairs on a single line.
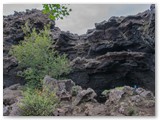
[[56, 11], [37, 59]]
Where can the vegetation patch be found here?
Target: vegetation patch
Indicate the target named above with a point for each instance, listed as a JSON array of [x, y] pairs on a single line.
[[37, 59], [38, 103]]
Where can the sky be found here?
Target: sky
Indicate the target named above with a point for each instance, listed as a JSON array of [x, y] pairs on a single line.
[[83, 16]]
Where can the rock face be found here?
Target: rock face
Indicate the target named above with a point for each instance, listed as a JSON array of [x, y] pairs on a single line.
[[13, 33], [117, 52]]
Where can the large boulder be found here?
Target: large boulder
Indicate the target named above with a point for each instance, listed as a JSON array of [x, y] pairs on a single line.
[[62, 88], [11, 97], [85, 95], [11, 94]]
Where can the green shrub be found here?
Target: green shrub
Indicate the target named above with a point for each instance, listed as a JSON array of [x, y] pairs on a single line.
[[56, 11], [37, 59], [38, 103]]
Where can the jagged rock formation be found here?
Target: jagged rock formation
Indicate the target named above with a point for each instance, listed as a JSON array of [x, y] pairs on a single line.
[[117, 52], [75, 101]]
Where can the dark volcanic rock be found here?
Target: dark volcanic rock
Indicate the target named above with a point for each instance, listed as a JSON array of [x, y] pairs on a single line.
[[117, 52], [12, 34]]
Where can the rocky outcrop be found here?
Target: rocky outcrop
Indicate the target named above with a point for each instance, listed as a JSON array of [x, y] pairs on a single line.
[[130, 101], [117, 52], [11, 97], [13, 33], [120, 101], [75, 101]]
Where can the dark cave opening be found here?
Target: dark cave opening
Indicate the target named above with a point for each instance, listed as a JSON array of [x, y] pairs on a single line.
[[110, 80], [132, 83]]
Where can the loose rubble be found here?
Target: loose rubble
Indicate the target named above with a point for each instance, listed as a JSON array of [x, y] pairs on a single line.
[[120, 101]]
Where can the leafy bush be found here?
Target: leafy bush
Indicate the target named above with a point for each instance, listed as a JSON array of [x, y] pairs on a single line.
[[56, 11], [37, 59], [38, 103]]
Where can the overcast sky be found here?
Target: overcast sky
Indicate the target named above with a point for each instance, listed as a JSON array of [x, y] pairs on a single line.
[[83, 16]]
